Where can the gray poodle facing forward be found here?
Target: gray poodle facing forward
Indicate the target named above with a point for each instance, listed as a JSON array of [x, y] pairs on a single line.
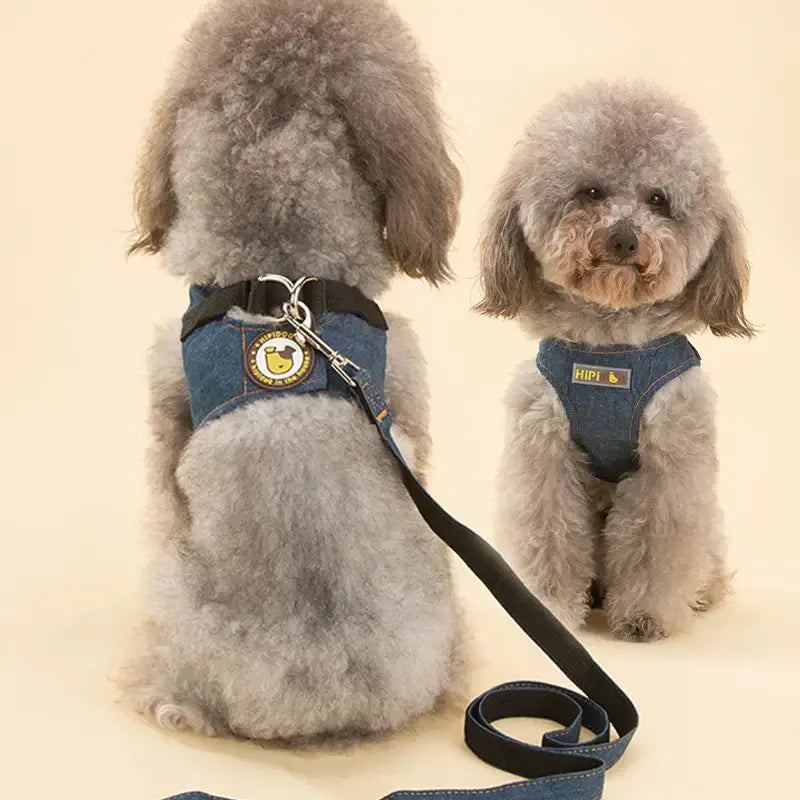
[[612, 225], [294, 593]]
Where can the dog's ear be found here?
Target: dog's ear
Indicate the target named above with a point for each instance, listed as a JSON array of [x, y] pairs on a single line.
[[721, 285], [155, 205], [390, 108], [507, 263]]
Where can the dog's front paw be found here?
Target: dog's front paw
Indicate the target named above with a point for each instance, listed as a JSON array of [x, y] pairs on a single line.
[[714, 592], [646, 619], [641, 628], [702, 603]]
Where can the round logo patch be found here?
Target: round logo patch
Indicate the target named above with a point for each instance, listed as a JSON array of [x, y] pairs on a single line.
[[276, 361]]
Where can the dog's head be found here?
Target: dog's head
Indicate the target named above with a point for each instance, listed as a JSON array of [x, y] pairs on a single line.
[[295, 132], [616, 196]]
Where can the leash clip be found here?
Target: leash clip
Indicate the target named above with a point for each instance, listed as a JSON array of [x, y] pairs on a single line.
[[294, 296], [338, 362], [299, 316]]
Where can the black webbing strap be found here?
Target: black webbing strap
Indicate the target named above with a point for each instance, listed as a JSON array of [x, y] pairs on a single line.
[[264, 297]]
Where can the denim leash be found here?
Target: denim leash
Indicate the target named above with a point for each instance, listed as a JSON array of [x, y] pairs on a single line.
[[562, 767]]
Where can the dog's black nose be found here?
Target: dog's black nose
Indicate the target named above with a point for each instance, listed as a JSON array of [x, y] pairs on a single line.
[[622, 240]]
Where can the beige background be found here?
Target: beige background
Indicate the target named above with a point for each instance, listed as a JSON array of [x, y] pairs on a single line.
[[78, 79]]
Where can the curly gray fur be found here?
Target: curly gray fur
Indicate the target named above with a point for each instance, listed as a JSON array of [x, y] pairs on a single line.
[[295, 592], [602, 157]]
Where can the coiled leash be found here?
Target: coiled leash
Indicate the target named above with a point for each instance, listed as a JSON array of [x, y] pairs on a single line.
[[562, 767]]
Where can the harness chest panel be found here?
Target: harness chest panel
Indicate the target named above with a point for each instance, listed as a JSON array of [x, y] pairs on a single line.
[[229, 363], [605, 390]]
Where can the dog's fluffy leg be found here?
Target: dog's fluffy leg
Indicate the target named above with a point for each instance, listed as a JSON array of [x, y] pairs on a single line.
[[407, 394], [170, 427], [546, 521], [149, 685], [664, 547]]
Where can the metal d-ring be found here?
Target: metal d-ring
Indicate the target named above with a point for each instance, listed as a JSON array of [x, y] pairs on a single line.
[[294, 297], [294, 314]]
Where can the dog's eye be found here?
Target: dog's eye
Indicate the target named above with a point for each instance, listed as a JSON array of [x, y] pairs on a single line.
[[593, 194], [658, 200]]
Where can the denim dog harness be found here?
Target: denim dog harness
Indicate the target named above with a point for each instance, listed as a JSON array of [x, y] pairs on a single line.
[[230, 363], [604, 391], [269, 358]]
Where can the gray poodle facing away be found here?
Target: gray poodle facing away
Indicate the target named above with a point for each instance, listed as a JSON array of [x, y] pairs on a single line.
[[294, 593], [612, 224]]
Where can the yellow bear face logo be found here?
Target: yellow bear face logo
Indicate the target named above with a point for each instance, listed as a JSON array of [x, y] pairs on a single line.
[[275, 360], [279, 361]]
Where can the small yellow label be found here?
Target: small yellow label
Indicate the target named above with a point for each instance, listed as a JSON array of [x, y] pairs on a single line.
[[614, 377]]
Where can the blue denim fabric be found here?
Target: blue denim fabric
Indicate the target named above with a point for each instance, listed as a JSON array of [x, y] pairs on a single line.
[[214, 360], [605, 420]]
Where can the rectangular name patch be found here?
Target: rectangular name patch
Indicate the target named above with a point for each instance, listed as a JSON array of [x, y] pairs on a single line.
[[601, 376]]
